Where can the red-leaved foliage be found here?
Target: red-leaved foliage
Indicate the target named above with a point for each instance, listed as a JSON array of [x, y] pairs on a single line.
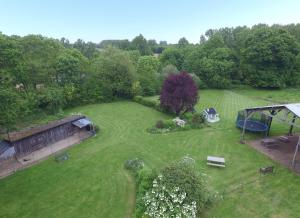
[[179, 93]]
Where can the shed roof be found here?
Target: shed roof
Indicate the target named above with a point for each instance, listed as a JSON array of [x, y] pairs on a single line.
[[82, 123], [16, 136]]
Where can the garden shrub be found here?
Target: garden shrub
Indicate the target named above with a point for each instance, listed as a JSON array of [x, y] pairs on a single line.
[[134, 165], [178, 191], [160, 124], [96, 128], [148, 102], [197, 120], [170, 124], [186, 116], [144, 182]]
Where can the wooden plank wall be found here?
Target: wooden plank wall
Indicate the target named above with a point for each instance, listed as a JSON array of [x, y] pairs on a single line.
[[43, 139]]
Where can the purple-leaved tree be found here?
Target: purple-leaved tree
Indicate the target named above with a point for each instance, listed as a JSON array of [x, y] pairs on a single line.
[[179, 93]]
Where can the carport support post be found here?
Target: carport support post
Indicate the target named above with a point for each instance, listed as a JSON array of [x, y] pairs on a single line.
[[292, 125], [248, 114], [296, 151], [270, 122]]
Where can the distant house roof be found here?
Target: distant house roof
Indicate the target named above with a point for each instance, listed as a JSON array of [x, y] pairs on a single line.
[[211, 111], [16, 136]]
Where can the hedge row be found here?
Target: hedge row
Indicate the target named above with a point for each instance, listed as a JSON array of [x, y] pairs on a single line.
[[148, 102]]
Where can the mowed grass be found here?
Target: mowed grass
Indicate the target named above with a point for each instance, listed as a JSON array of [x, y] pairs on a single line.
[[93, 183]]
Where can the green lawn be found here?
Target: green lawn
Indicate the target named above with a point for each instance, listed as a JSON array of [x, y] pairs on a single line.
[[93, 183]]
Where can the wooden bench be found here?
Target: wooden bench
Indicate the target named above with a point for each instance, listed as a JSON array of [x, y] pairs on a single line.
[[215, 161], [284, 139], [266, 170], [269, 143]]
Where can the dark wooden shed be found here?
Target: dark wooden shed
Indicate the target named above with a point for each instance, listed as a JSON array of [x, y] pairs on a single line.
[[32, 139]]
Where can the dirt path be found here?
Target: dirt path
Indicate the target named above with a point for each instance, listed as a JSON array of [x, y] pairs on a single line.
[[131, 195]]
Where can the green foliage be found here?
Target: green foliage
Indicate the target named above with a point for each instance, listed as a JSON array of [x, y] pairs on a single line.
[[179, 189], [144, 181], [160, 124], [134, 165], [140, 43], [172, 56], [197, 120], [51, 100], [183, 174], [115, 73], [148, 102], [9, 108], [147, 71], [270, 58], [70, 66]]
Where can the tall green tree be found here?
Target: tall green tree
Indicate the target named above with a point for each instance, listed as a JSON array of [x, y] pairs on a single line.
[[147, 71], [9, 108], [270, 57], [140, 43], [115, 73]]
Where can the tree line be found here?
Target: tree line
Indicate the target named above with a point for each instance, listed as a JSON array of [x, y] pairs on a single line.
[[40, 74]]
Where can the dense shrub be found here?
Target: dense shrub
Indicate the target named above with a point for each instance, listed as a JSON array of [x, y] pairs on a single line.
[[148, 102], [179, 191], [144, 182], [96, 128], [160, 124], [134, 165], [197, 120]]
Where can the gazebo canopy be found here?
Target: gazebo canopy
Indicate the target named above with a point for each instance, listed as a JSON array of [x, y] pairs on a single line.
[[272, 111]]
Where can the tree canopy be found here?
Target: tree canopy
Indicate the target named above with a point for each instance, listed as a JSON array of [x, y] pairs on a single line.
[[179, 93]]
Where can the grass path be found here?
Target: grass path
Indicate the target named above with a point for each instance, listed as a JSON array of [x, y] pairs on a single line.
[[93, 183], [131, 195]]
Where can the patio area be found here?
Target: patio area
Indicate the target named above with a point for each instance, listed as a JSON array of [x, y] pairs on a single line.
[[279, 150]]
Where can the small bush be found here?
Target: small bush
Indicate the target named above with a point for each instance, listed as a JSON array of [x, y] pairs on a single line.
[[134, 165], [96, 128], [170, 124], [160, 124], [197, 120], [186, 116]]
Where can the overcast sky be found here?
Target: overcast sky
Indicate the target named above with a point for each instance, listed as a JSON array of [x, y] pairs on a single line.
[[169, 20]]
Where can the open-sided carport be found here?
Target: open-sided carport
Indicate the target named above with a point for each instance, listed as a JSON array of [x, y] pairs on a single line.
[[289, 114]]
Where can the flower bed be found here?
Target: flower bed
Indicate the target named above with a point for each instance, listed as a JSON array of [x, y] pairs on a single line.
[[186, 122]]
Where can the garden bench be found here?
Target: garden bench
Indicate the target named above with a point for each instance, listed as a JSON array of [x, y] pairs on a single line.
[[216, 161], [265, 170], [269, 143], [284, 139]]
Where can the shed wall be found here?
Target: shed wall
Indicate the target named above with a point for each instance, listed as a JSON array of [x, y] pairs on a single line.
[[35, 142]]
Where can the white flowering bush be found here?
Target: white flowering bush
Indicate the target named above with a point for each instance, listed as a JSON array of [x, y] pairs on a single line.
[[162, 201], [179, 191], [179, 122]]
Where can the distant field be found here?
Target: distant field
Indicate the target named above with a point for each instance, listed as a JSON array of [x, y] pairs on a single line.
[[93, 183]]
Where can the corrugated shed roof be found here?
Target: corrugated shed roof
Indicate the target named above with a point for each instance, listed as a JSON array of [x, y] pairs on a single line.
[[82, 123], [16, 136]]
